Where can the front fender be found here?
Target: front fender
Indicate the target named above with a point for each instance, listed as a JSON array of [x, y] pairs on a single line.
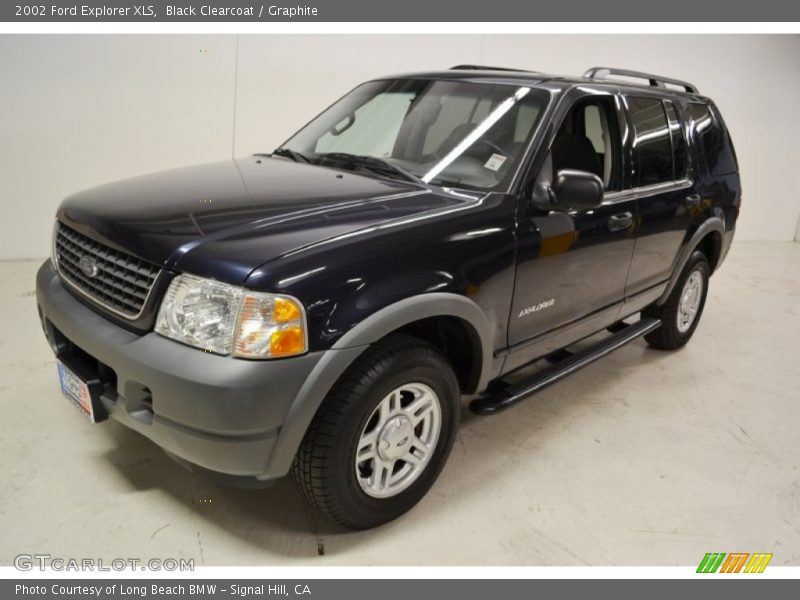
[[351, 345]]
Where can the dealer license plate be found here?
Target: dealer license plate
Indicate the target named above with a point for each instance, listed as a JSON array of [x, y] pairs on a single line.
[[76, 390]]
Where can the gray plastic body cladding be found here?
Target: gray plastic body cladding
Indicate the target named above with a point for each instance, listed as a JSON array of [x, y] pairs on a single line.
[[334, 363], [218, 412], [712, 224]]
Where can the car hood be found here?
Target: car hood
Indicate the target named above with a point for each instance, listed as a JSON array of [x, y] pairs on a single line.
[[225, 219]]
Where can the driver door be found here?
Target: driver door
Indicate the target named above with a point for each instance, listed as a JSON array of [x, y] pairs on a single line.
[[572, 264]]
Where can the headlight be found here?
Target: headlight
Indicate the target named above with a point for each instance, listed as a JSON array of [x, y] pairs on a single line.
[[225, 319]]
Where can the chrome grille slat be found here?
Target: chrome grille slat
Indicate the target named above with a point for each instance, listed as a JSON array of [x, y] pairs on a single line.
[[122, 283]]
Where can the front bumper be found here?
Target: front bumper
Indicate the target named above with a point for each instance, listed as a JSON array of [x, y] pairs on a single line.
[[215, 412]]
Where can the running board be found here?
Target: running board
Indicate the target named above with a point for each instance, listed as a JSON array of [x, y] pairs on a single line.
[[562, 363]]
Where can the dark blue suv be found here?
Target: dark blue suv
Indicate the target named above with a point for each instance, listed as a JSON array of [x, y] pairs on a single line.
[[323, 309]]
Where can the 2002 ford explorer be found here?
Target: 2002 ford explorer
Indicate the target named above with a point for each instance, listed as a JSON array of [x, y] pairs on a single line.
[[323, 308]]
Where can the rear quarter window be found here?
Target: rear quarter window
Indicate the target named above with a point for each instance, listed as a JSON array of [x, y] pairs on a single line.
[[713, 141]]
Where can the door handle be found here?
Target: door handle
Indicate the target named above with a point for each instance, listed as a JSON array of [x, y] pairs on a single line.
[[693, 200], [620, 221]]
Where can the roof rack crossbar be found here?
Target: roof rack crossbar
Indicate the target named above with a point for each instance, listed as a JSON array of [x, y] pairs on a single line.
[[486, 68], [654, 80]]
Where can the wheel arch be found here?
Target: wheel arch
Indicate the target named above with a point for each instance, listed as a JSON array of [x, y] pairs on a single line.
[[450, 311], [458, 341], [711, 245], [708, 238]]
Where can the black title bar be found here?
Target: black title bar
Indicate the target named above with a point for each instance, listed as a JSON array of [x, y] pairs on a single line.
[[150, 11]]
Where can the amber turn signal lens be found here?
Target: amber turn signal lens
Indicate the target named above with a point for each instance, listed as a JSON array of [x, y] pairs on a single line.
[[270, 326], [286, 342], [285, 310]]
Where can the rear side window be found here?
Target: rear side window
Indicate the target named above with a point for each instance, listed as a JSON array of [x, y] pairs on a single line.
[[679, 147], [713, 141], [652, 148]]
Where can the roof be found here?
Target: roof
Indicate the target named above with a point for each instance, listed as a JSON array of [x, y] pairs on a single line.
[[594, 76]]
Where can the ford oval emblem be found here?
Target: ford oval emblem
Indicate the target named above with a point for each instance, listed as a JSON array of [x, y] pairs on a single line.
[[88, 267]]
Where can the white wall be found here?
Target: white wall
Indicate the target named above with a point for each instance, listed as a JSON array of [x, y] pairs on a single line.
[[80, 110], [76, 111]]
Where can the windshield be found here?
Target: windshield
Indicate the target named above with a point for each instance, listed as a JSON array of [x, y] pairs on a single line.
[[448, 133]]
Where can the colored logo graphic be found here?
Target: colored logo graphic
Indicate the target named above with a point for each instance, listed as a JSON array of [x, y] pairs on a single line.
[[735, 562]]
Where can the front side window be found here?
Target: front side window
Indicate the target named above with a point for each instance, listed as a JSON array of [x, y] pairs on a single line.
[[449, 133], [588, 140], [652, 148]]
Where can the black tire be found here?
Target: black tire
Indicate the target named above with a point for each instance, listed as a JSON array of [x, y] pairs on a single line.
[[669, 336], [324, 467]]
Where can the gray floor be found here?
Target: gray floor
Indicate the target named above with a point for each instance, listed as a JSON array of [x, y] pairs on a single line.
[[644, 458]]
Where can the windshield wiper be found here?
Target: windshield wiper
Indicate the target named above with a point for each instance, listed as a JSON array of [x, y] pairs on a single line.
[[293, 154], [373, 163]]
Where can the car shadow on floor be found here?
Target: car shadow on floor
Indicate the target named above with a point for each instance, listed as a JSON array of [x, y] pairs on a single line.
[[278, 521], [269, 518]]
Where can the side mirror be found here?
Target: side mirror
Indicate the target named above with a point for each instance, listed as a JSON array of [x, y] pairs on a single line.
[[574, 189]]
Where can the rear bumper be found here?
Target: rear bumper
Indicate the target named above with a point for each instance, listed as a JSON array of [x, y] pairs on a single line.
[[218, 413]]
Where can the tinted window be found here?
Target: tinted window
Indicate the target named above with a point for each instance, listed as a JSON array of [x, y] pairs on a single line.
[[651, 142], [679, 148], [712, 139]]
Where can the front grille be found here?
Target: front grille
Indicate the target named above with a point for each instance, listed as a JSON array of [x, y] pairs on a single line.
[[115, 280]]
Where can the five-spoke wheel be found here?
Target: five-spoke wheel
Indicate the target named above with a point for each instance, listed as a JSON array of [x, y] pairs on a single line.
[[382, 435], [398, 439], [681, 311]]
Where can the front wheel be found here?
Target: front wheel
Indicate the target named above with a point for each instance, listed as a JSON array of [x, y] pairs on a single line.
[[681, 312], [382, 436]]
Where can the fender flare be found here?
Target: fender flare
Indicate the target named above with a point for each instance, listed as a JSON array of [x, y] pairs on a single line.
[[712, 224], [349, 347]]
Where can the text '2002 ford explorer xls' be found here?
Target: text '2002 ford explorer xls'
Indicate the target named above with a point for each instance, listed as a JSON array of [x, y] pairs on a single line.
[[322, 309]]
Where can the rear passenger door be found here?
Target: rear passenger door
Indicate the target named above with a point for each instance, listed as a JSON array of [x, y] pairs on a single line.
[[667, 196]]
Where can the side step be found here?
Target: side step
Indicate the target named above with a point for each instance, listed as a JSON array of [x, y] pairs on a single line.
[[563, 363]]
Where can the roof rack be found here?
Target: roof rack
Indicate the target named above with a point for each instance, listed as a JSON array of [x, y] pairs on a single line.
[[486, 68], [655, 80]]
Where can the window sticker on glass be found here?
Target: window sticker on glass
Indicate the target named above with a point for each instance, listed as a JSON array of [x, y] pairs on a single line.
[[495, 162]]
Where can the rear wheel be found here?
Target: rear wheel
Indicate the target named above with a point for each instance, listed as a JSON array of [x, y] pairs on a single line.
[[681, 313], [381, 438]]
